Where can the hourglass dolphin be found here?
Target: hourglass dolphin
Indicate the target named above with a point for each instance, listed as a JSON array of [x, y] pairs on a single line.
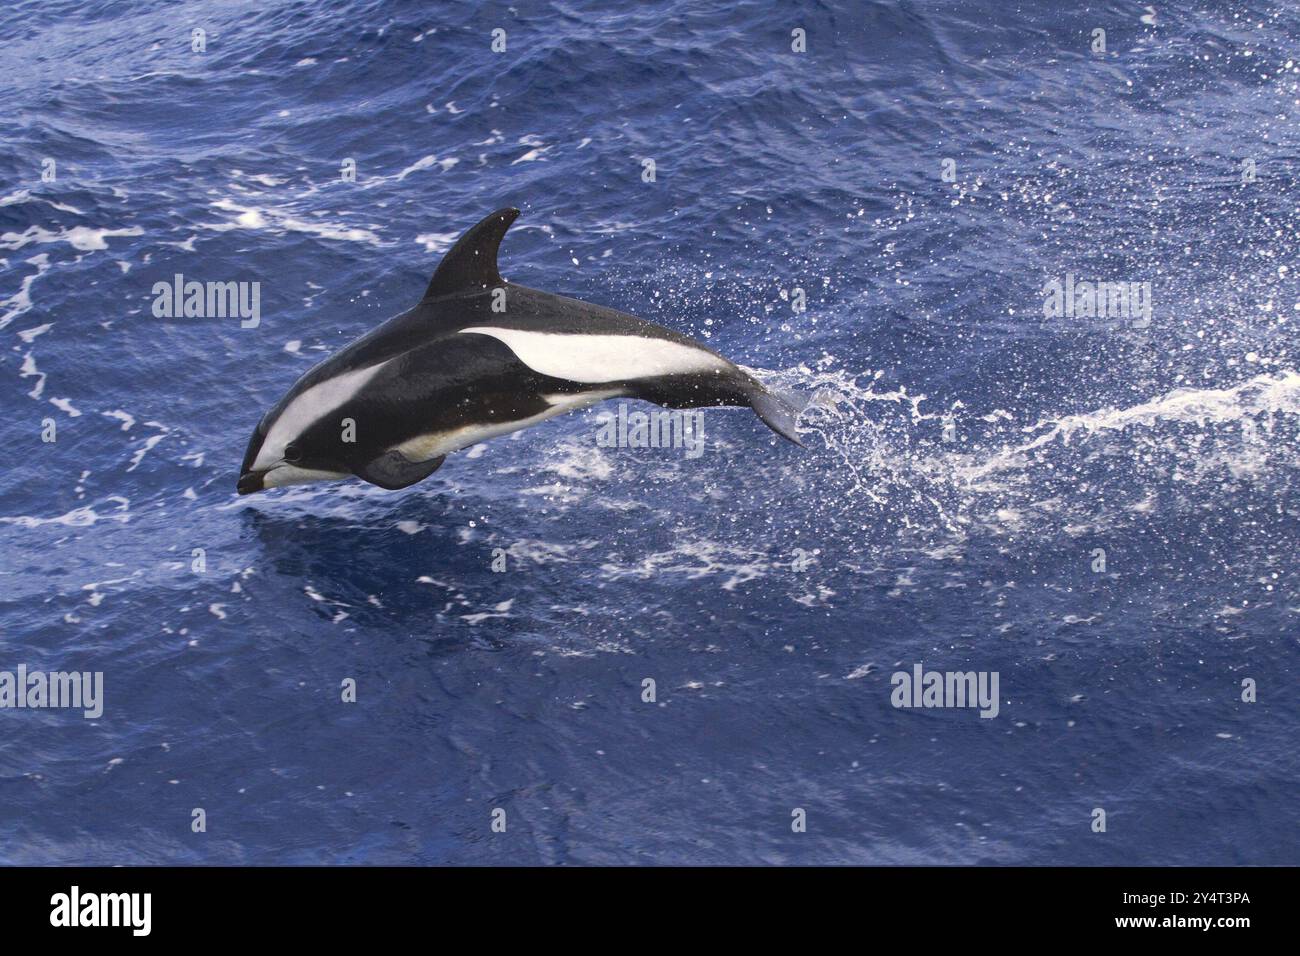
[[479, 357]]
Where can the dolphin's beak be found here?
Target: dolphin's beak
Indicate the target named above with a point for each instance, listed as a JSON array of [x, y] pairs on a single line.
[[251, 481]]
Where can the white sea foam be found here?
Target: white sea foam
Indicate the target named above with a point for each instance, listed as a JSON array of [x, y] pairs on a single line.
[[148, 444], [279, 220], [21, 301], [425, 163], [81, 238], [499, 610], [28, 335], [125, 418], [76, 518], [1266, 393], [29, 370], [899, 462], [734, 565], [64, 405]]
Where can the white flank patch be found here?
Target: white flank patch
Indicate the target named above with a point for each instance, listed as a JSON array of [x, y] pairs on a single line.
[[601, 358], [282, 475], [316, 401], [424, 447]]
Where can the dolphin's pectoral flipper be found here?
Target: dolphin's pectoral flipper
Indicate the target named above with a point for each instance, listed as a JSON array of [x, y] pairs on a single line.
[[393, 470]]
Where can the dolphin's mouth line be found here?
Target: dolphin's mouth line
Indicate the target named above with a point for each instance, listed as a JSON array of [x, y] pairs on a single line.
[[254, 479], [251, 481]]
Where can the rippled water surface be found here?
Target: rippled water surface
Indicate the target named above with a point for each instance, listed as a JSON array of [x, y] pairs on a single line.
[[968, 459]]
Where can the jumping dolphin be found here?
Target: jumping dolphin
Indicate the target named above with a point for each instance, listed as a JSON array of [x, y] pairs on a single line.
[[478, 357]]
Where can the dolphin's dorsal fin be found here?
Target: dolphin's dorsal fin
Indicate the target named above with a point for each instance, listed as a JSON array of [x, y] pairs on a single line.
[[471, 264]]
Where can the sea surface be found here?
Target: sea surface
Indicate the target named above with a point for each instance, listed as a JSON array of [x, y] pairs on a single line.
[[675, 659]]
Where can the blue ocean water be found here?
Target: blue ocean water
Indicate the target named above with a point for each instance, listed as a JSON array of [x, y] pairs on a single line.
[[1104, 513]]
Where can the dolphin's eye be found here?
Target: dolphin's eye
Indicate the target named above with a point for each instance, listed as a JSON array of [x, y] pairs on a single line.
[[292, 452]]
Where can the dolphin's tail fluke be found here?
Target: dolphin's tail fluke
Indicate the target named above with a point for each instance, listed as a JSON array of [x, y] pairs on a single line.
[[780, 410]]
